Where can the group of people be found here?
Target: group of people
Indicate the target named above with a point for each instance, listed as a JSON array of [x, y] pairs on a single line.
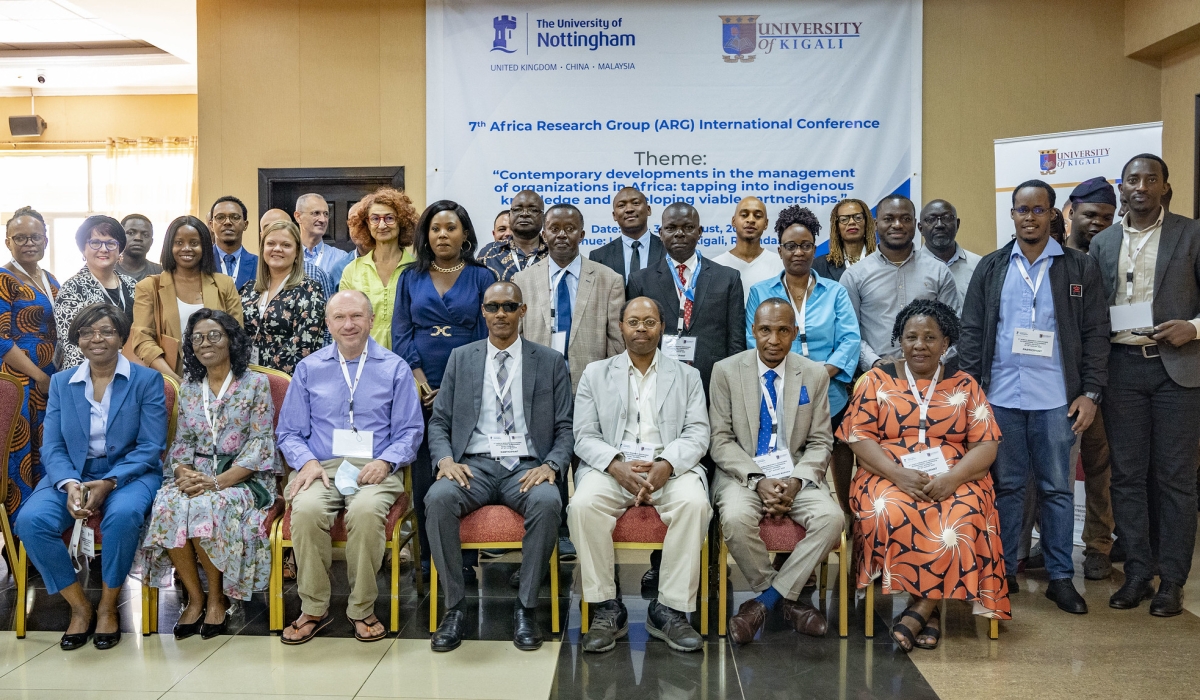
[[646, 374]]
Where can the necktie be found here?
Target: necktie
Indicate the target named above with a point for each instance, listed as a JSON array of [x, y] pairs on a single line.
[[764, 416], [563, 311], [230, 259], [505, 414], [635, 260], [687, 303]]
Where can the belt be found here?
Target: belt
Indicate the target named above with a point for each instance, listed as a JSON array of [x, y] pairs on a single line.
[[1148, 352], [440, 332]]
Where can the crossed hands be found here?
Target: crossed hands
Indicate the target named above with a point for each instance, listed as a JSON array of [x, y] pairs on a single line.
[[777, 495], [630, 476], [922, 487]]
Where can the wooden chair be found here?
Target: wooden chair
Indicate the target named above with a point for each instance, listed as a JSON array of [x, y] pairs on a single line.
[[641, 528], [494, 527], [12, 396]]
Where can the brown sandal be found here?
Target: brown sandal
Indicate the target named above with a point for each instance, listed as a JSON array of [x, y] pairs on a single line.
[[318, 625], [369, 625], [289, 567]]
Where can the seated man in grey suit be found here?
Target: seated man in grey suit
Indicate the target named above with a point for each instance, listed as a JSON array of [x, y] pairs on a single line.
[[641, 427], [500, 434], [771, 440]]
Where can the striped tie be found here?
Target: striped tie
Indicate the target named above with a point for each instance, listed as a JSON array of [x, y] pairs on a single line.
[[505, 414]]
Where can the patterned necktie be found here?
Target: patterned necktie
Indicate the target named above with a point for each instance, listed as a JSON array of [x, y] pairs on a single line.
[[230, 259], [505, 414], [563, 311], [635, 260], [764, 416], [687, 303]]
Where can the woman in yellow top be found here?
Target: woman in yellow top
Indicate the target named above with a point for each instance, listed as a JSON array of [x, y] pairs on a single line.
[[189, 282], [388, 219]]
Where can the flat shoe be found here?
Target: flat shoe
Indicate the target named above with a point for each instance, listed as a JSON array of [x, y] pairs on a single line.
[[905, 633], [71, 642], [107, 640], [930, 631], [318, 625], [183, 631], [361, 638]]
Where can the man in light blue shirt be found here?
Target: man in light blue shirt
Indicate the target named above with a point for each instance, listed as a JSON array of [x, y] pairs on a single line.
[[312, 216]]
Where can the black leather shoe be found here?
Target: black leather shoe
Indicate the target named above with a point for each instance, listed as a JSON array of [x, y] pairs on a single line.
[[71, 642], [107, 640], [1131, 593], [1168, 602], [1013, 586], [183, 631], [650, 579], [208, 631], [526, 635], [449, 634], [1063, 593]]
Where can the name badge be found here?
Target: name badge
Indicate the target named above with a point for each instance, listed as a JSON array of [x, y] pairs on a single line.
[[558, 342], [678, 347], [254, 356], [1127, 317], [635, 451], [1027, 341], [931, 461], [507, 445], [347, 443], [776, 464]]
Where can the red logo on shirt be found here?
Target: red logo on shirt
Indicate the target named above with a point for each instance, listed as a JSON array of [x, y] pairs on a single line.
[[1077, 290]]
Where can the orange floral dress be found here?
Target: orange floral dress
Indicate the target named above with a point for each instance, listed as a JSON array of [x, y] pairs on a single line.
[[947, 549]]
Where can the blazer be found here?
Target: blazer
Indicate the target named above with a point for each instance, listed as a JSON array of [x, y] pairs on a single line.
[[134, 441], [718, 314], [612, 254], [1177, 272], [545, 394], [601, 412], [735, 409], [247, 268], [1082, 320], [595, 316], [219, 293]]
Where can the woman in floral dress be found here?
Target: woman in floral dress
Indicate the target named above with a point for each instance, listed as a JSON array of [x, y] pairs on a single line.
[[284, 311], [212, 508]]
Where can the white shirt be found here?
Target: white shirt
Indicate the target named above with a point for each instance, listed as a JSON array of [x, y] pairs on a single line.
[[640, 420], [98, 425], [643, 251], [689, 268], [766, 266], [185, 313], [489, 407]]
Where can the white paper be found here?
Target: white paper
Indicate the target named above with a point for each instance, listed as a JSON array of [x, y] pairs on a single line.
[[507, 445], [558, 342], [1027, 341], [775, 465], [931, 461], [637, 451], [679, 347], [254, 356], [346, 478], [1127, 317], [348, 443]]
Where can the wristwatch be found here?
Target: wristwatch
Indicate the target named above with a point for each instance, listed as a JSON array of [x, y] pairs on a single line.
[[1094, 396]]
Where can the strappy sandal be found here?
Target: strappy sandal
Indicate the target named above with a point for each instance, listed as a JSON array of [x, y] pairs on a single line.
[[369, 625], [930, 631], [318, 625], [289, 567], [906, 635]]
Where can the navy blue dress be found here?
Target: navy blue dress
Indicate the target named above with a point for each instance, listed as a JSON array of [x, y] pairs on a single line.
[[427, 326]]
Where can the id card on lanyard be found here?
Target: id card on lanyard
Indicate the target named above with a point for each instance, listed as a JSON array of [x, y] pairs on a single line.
[[353, 442], [1031, 341], [776, 463], [558, 339], [504, 444], [678, 347], [922, 403], [206, 395]]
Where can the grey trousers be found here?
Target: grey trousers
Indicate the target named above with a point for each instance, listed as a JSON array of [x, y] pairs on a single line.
[[447, 504]]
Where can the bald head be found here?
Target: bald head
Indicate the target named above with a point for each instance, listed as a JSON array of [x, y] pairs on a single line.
[[750, 219], [312, 216], [349, 317], [271, 216]]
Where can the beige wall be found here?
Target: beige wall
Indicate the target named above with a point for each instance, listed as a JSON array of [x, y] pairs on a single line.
[[100, 117], [1180, 85]]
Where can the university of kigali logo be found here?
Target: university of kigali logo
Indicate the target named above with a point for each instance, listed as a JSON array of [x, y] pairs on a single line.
[[738, 37], [504, 26], [1049, 161]]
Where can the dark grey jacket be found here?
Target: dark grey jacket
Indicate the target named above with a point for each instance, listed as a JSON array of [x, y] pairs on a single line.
[[1079, 308]]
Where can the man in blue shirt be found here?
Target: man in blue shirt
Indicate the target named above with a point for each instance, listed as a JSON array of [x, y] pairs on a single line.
[[1035, 336], [312, 216], [227, 221]]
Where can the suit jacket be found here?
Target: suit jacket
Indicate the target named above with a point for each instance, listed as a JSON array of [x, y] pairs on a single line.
[[1176, 285], [136, 434], [601, 412], [247, 268], [219, 293], [612, 254], [718, 314], [595, 316], [545, 395], [735, 410]]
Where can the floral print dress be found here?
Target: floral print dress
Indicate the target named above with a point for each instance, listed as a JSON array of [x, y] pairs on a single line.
[[292, 328], [946, 549], [230, 529]]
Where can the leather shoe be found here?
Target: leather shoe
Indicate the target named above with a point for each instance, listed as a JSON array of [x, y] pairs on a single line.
[[449, 634], [650, 579], [1097, 566], [1063, 593], [108, 640], [672, 626], [208, 631], [750, 619], [183, 631], [1168, 602], [609, 623], [1131, 593], [526, 635], [1013, 586], [804, 618], [71, 642]]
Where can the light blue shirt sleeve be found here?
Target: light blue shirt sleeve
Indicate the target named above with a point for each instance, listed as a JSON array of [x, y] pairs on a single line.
[[847, 341]]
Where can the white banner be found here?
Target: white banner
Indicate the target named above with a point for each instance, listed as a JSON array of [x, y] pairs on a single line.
[[801, 103], [1064, 160]]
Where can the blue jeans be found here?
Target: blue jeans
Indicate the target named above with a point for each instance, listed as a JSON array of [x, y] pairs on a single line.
[[1037, 441]]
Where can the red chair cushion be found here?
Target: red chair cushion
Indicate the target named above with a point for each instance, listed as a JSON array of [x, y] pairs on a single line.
[[492, 524], [640, 524], [780, 534], [338, 532]]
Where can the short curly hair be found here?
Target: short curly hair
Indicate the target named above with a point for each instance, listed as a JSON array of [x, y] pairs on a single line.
[[796, 214], [942, 314], [239, 345], [397, 201]]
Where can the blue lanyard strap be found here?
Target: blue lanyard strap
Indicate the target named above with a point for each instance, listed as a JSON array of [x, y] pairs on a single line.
[[690, 292]]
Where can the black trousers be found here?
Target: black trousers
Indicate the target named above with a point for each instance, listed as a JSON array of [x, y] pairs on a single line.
[[1151, 420]]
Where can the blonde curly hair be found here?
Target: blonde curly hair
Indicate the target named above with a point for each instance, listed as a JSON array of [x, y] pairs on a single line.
[[397, 201]]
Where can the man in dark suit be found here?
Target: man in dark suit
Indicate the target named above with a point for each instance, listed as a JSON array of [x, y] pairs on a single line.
[[1150, 268], [227, 219], [637, 247], [500, 434]]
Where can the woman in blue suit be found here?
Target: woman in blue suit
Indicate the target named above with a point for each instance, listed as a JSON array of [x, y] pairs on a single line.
[[104, 435]]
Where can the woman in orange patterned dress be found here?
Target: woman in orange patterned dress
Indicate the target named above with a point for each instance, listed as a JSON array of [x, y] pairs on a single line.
[[934, 537]]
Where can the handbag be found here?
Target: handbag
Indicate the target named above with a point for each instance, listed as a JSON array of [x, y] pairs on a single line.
[[262, 498], [169, 345]]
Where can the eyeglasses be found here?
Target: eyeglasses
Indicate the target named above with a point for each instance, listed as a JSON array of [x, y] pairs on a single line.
[[689, 229], [791, 246], [214, 338], [25, 240], [230, 218], [375, 220], [103, 244], [531, 209], [509, 306], [636, 323], [947, 219], [847, 218], [1036, 211], [102, 333]]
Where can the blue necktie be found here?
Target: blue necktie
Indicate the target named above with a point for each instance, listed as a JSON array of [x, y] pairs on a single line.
[[563, 310], [764, 416], [230, 259]]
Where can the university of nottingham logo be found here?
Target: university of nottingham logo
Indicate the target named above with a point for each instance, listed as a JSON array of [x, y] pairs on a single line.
[[1049, 161], [504, 26], [738, 37]]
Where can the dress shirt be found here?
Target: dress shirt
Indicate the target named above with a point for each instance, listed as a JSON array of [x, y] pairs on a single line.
[[326, 257], [574, 269], [962, 266], [506, 259], [99, 409], [1143, 273], [362, 275], [489, 406], [766, 266], [237, 260], [880, 288], [1027, 382], [780, 442], [318, 402], [316, 274], [643, 391], [689, 269], [643, 252]]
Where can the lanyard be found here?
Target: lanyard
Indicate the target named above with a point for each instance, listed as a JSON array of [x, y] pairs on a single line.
[[206, 395], [13, 266], [1133, 254], [120, 290], [46, 284], [800, 312], [772, 410], [491, 373], [923, 404], [237, 265], [685, 293], [265, 300], [1035, 286], [555, 279], [362, 362]]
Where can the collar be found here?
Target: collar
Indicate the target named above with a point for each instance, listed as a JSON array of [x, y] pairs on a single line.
[[958, 255], [653, 369], [513, 350], [374, 351], [1052, 249], [644, 240], [512, 246], [762, 367], [885, 260], [690, 263], [574, 267], [1130, 231], [83, 373], [221, 253], [316, 250]]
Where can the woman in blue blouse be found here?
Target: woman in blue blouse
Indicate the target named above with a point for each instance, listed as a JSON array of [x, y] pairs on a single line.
[[439, 307]]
